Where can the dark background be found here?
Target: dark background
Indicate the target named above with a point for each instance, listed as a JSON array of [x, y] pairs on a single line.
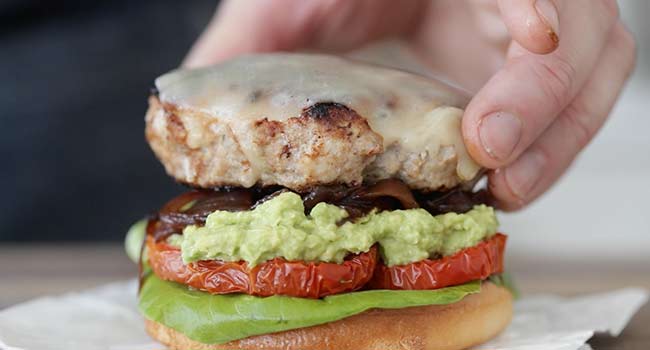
[[74, 80]]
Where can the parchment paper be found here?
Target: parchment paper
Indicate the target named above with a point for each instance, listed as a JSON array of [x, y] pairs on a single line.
[[106, 318]]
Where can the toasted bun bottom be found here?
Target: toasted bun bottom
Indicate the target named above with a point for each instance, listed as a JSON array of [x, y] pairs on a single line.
[[471, 321]]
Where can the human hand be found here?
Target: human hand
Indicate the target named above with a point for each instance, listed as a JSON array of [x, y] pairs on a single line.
[[546, 73]]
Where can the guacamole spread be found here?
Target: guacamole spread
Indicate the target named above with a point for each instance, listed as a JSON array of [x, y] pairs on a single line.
[[280, 228]]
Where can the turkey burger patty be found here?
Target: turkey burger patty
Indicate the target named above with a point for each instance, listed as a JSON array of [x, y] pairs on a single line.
[[303, 120]]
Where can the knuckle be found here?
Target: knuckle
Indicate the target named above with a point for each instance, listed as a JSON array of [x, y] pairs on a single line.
[[628, 47], [509, 205], [611, 8], [556, 75], [502, 193], [544, 155], [576, 117]]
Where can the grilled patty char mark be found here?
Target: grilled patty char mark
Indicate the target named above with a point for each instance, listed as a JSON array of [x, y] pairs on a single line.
[[327, 144]]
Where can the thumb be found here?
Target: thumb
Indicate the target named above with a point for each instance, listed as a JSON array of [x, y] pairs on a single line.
[[534, 24]]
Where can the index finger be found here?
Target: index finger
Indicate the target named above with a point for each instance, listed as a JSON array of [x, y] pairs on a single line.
[[534, 24], [522, 99]]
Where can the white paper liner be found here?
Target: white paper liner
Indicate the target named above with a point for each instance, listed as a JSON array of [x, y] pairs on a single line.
[[106, 318], [548, 322]]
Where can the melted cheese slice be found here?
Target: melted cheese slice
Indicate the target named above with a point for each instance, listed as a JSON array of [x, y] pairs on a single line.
[[415, 112]]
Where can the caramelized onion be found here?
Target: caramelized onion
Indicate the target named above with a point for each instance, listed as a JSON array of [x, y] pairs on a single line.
[[192, 208], [389, 188], [456, 201]]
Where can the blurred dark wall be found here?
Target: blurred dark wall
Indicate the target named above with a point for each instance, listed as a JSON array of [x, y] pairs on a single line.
[[74, 79]]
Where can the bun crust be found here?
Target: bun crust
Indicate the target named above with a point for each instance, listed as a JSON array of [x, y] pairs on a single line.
[[474, 320]]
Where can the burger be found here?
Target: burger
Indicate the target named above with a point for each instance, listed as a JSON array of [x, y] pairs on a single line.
[[332, 205]]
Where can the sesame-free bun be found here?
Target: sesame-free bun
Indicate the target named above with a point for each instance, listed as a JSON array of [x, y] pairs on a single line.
[[471, 321]]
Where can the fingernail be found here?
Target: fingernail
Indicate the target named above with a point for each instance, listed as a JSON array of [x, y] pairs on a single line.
[[548, 14], [499, 134], [525, 173]]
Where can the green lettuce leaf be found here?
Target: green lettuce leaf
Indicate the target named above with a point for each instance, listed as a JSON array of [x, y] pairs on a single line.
[[505, 280], [221, 318], [133, 240]]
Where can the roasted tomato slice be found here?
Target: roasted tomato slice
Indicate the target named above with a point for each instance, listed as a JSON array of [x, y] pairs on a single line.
[[273, 277], [474, 263]]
